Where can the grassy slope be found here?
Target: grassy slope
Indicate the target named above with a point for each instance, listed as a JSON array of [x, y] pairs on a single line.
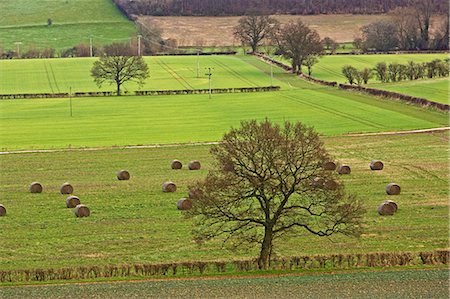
[[134, 221], [402, 284], [173, 119], [73, 22], [330, 68]]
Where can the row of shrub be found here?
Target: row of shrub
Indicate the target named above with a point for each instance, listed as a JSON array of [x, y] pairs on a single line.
[[138, 92], [396, 72], [335, 261], [395, 95]]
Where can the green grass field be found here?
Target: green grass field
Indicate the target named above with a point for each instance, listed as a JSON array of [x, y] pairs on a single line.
[[330, 68], [134, 221], [435, 89], [58, 75], [401, 284], [130, 120], [74, 22]]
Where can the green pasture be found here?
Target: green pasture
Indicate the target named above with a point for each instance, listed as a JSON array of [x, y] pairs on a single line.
[[134, 221], [435, 89], [74, 21], [132, 120], [330, 66], [166, 72]]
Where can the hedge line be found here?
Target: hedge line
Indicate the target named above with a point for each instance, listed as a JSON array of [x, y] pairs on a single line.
[[138, 92], [395, 95], [335, 261], [195, 54]]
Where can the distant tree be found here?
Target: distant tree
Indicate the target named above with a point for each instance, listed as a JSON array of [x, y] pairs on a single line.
[[309, 62], [381, 72], [358, 43], [366, 74], [408, 32], [424, 10], [48, 53], [82, 50], [297, 42], [117, 66], [380, 36], [49, 22], [328, 42], [262, 190], [152, 40], [441, 35], [253, 29], [350, 73]]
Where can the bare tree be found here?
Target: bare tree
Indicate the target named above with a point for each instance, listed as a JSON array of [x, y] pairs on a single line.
[[253, 29], [424, 10], [117, 66], [407, 28], [380, 36], [269, 182], [297, 42]]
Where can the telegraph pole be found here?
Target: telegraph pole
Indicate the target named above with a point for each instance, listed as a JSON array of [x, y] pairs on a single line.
[[91, 52], [209, 74], [139, 44]]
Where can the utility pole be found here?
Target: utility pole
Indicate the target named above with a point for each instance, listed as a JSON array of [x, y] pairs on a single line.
[[18, 48], [198, 62], [209, 74], [139, 44], [91, 52]]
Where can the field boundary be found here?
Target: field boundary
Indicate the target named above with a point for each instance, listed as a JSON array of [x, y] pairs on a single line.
[[137, 93], [333, 261], [421, 131]]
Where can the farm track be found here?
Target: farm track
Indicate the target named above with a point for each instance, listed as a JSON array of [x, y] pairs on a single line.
[[48, 77], [410, 132], [174, 74]]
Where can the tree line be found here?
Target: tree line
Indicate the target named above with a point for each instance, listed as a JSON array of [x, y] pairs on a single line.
[[395, 72], [242, 7]]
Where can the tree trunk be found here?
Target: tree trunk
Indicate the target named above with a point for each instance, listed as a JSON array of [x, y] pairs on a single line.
[[266, 249], [118, 89]]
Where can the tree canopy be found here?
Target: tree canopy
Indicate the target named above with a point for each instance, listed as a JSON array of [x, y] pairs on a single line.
[[269, 182], [117, 66]]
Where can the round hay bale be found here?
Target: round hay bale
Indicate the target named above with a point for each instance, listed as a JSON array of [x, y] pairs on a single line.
[[176, 164], [123, 175], [331, 185], [66, 188], [169, 187], [376, 165], [393, 189], [317, 182], [82, 211], [344, 169], [194, 165], [36, 187], [394, 204], [386, 209], [72, 201], [330, 165], [184, 204], [2, 211]]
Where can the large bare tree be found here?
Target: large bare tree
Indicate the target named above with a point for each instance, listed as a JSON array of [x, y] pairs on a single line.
[[253, 29], [117, 66], [269, 182], [297, 42]]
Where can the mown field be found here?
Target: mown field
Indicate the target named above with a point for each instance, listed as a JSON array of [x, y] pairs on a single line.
[[74, 22], [180, 72], [46, 123], [401, 284], [134, 221]]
